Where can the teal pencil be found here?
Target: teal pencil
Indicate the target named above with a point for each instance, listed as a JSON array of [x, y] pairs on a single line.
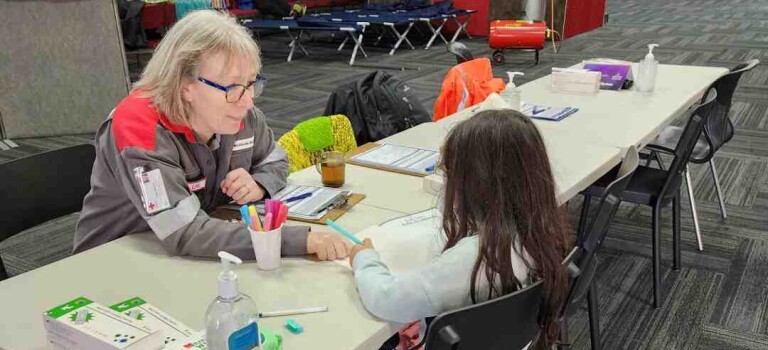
[[334, 226]]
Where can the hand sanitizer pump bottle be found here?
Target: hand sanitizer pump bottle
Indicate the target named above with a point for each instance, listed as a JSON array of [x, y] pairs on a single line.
[[512, 93], [231, 319], [646, 71]]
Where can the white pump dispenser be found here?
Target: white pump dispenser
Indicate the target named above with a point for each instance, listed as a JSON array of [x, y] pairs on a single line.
[[511, 93], [646, 71], [231, 319], [228, 288]]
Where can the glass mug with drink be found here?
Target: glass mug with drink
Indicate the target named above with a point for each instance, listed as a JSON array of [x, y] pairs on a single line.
[[331, 168]]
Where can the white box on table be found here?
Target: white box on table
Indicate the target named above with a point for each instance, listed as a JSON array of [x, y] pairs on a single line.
[[85, 325], [174, 331]]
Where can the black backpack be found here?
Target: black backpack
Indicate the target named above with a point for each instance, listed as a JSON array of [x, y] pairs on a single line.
[[378, 106]]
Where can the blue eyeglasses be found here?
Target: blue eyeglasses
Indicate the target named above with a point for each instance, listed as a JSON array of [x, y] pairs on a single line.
[[235, 92]]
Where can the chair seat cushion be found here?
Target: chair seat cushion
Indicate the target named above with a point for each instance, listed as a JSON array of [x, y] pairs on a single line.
[[669, 137], [644, 188]]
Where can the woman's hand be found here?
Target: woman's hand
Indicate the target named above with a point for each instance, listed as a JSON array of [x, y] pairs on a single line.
[[367, 244], [328, 246], [241, 187]]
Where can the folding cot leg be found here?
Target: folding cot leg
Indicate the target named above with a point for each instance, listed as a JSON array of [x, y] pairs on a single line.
[[405, 35], [400, 37], [309, 35], [358, 46], [439, 30], [461, 27], [435, 32], [381, 36], [343, 43], [298, 43], [292, 45], [469, 16]]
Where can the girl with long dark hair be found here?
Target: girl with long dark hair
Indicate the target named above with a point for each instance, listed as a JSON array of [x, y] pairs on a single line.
[[502, 224]]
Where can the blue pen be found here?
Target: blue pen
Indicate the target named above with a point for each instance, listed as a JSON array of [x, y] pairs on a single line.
[[430, 168], [334, 226], [299, 197], [246, 215]]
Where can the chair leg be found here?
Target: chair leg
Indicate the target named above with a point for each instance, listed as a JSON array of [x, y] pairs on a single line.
[[583, 218], [594, 316], [676, 231], [564, 339], [656, 255], [720, 196], [696, 228]]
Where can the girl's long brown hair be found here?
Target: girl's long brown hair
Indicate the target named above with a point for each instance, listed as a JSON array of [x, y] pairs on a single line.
[[499, 185]]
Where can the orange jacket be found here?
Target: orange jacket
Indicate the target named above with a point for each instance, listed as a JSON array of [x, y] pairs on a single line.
[[466, 84]]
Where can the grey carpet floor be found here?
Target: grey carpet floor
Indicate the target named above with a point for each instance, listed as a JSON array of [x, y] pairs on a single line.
[[718, 300]]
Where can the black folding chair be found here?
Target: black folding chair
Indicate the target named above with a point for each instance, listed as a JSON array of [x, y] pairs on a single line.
[[718, 130], [582, 261], [42, 187], [507, 322], [658, 188]]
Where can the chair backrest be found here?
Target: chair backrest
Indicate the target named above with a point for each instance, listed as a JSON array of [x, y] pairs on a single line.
[[691, 133], [507, 322], [42, 187], [718, 129], [299, 157], [582, 263]]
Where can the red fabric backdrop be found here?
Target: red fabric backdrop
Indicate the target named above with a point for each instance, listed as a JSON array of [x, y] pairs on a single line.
[[583, 16]]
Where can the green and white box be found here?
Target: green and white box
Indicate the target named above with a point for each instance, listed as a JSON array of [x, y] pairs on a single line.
[[147, 314], [85, 325]]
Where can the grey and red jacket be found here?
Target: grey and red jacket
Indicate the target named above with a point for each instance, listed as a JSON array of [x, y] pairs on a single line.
[[136, 137]]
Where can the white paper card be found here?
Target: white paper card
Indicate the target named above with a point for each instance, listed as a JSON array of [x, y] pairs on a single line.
[[153, 192]]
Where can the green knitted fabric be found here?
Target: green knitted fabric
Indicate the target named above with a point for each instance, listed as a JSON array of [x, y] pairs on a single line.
[[316, 134]]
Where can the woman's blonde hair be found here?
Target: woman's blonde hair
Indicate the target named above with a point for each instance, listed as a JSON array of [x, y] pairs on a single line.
[[176, 58]]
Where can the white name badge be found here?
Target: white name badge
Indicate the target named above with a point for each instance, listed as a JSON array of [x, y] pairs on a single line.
[[243, 144], [153, 192], [197, 185]]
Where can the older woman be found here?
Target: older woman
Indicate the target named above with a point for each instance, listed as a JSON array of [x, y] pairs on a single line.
[[188, 138]]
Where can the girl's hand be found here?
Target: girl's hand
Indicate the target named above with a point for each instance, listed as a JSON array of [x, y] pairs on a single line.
[[367, 244]]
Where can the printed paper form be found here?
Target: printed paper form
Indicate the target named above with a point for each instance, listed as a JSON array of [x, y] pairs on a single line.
[[428, 219], [400, 157], [312, 207], [406, 243], [547, 113]]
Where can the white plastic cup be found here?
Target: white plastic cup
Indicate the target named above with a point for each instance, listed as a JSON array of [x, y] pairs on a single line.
[[266, 247]]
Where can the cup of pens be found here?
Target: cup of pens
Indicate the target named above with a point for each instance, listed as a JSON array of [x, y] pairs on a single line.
[[266, 234]]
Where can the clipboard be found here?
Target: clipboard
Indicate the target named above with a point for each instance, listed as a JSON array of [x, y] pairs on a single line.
[[229, 213], [369, 146], [336, 213]]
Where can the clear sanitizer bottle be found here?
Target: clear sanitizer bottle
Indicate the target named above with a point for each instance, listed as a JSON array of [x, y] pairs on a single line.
[[231, 322], [646, 71], [512, 93]]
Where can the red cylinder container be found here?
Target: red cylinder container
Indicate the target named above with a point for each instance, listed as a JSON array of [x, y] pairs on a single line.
[[517, 34]]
